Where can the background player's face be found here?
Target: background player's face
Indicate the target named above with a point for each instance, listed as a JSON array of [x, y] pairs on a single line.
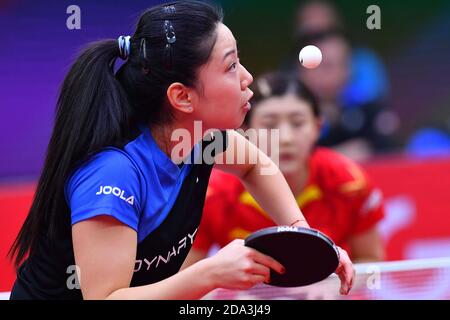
[[223, 82], [316, 17], [299, 128]]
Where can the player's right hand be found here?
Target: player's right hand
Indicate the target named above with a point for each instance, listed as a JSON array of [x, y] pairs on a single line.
[[238, 267], [345, 271]]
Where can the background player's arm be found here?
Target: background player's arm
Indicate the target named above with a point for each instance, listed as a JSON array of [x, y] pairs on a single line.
[[262, 178], [105, 252], [367, 246]]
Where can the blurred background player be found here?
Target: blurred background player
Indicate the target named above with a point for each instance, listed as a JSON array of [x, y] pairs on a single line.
[[351, 84], [333, 192], [352, 126]]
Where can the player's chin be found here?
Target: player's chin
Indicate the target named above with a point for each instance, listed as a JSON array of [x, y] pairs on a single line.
[[288, 167], [236, 121], [233, 120], [233, 123]]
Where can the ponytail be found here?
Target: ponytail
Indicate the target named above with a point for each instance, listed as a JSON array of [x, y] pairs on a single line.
[[92, 112]]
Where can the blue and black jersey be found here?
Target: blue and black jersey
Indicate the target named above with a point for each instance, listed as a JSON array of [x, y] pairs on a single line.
[[140, 186]]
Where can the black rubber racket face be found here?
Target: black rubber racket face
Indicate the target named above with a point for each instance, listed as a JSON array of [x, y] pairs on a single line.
[[308, 255]]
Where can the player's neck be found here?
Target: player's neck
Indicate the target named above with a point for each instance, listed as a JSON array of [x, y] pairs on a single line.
[[175, 135], [297, 180]]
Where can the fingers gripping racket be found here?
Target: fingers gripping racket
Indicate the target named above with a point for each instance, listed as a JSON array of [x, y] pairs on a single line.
[[308, 255]]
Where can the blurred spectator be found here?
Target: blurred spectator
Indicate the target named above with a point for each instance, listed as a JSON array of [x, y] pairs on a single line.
[[368, 80], [316, 16], [351, 85], [356, 127], [429, 142], [335, 194]]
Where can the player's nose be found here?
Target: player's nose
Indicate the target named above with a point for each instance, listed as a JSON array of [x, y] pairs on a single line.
[[286, 134], [246, 78]]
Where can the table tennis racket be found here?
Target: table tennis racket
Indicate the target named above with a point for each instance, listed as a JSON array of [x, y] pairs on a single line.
[[308, 255]]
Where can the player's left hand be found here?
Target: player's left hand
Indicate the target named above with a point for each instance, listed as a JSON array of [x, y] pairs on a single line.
[[345, 271]]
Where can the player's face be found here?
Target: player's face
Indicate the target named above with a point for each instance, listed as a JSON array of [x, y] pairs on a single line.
[[298, 128], [317, 17], [222, 94]]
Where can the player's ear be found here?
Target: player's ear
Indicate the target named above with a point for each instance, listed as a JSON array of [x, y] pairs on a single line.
[[180, 97]]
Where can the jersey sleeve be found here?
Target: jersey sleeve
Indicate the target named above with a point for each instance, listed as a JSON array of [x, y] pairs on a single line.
[[369, 211], [366, 200], [108, 184]]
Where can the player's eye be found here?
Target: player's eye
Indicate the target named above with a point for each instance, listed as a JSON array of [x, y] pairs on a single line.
[[270, 125], [232, 67], [297, 124]]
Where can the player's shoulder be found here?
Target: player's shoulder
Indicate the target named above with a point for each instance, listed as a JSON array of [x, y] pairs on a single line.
[[338, 173], [108, 162], [110, 167]]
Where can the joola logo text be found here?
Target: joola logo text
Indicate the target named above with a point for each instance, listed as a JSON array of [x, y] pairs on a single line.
[[116, 192], [286, 228]]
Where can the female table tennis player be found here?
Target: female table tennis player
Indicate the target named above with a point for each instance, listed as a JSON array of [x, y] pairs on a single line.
[[113, 202]]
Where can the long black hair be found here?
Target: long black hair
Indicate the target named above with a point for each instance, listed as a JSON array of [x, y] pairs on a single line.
[[277, 84], [97, 108]]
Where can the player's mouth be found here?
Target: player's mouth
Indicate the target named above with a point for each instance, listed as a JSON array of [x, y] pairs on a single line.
[[287, 157], [247, 106]]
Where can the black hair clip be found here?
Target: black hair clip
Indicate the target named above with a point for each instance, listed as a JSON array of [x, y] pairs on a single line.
[[143, 55], [170, 39], [170, 32]]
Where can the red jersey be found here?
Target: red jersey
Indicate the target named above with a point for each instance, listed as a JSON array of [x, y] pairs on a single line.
[[338, 199]]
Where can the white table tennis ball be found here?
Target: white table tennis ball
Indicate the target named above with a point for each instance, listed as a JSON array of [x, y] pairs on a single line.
[[310, 57]]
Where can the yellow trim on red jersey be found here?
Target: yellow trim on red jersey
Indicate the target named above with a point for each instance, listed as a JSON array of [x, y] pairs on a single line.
[[238, 233], [247, 198], [311, 193], [359, 181]]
